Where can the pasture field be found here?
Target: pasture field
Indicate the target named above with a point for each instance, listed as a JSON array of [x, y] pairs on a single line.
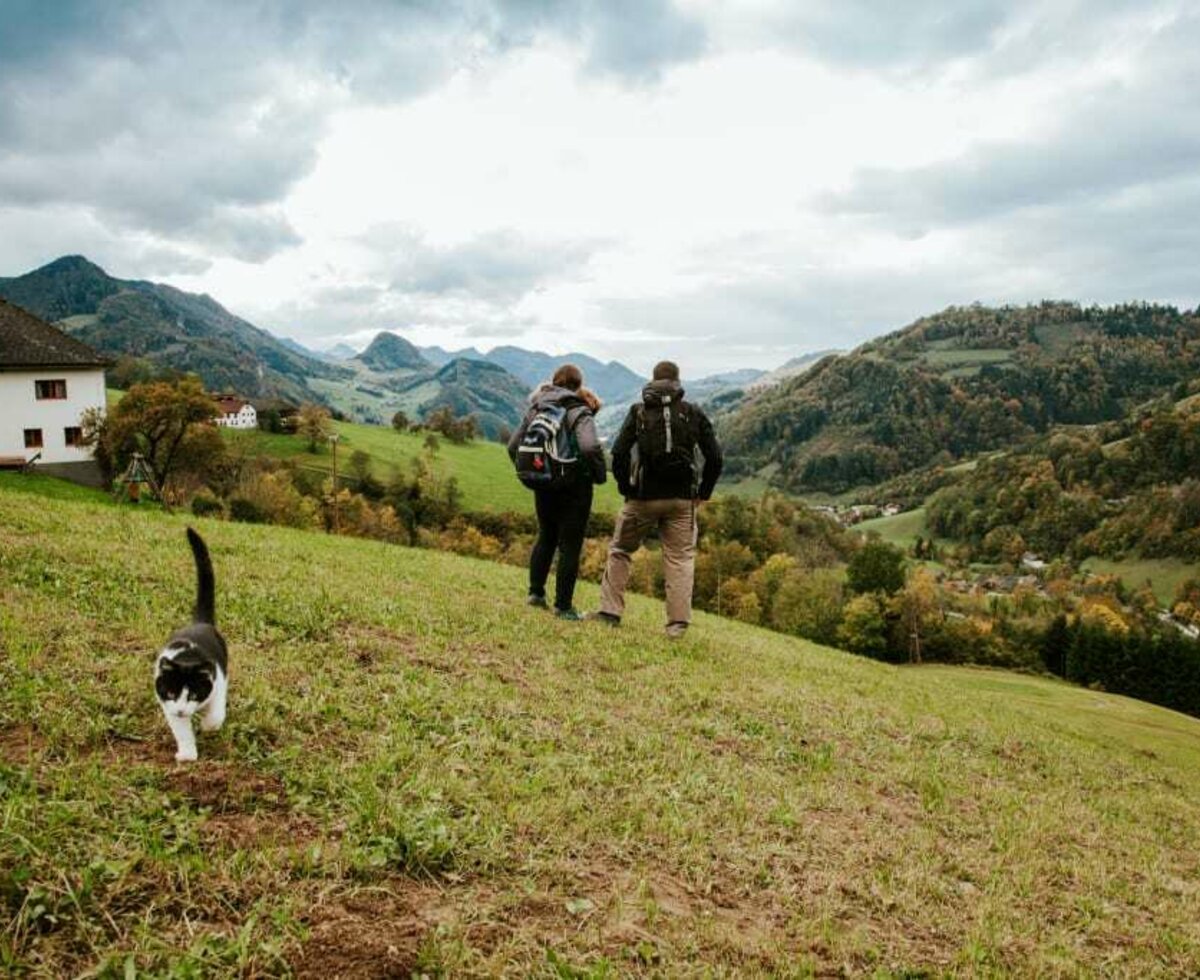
[[1164, 575], [421, 776], [483, 470], [901, 530]]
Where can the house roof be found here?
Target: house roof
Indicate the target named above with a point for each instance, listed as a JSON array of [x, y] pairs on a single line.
[[29, 342], [231, 404]]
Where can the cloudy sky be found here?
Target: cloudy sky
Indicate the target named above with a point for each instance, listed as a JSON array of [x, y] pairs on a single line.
[[729, 182]]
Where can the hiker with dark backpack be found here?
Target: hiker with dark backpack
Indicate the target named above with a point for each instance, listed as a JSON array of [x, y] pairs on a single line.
[[666, 460], [559, 457]]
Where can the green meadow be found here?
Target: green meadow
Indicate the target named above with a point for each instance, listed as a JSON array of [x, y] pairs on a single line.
[[901, 530], [483, 470], [421, 776], [1163, 575]]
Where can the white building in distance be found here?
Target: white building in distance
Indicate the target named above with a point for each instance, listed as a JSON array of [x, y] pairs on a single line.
[[236, 413], [47, 381]]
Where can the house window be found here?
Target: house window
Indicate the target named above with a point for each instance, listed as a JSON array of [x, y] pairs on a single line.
[[56, 389], [33, 438], [73, 435]]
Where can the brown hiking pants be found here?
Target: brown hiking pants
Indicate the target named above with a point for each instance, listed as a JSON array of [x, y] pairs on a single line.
[[676, 523]]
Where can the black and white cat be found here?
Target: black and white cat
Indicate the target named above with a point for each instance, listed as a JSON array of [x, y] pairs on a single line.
[[191, 672]]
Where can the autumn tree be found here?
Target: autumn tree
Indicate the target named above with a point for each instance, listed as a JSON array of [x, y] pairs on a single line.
[[457, 430], [314, 424], [864, 626], [169, 422], [916, 605]]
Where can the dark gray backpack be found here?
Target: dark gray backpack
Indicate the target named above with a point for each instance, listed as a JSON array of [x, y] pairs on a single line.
[[548, 456]]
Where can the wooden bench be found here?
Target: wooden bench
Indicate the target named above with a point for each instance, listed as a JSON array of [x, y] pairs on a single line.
[[18, 462]]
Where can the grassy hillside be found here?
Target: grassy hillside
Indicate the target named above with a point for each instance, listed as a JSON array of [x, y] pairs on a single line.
[[483, 470], [901, 530], [421, 774]]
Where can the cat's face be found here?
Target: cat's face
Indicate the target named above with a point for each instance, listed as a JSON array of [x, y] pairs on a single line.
[[182, 686]]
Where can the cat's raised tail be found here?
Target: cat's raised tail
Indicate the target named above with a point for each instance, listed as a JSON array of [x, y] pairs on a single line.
[[206, 601]]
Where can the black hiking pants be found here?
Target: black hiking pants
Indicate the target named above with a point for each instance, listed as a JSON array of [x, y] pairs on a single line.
[[562, 523]]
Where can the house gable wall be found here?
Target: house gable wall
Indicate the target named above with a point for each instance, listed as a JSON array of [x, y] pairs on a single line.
[[20, 409]]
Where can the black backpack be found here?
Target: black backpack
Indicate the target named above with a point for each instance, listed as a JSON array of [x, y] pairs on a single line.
[[548, 456], [666, 444]]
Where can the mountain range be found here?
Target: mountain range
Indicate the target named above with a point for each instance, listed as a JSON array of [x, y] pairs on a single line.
[[391, 375], [168, 328], [617, 385]]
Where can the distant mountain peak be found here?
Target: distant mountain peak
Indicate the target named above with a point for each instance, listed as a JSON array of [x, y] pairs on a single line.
[[71, 263], [391, 352], [468, 366]]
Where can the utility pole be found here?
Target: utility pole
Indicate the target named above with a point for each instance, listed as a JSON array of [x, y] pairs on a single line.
[[333, 441]]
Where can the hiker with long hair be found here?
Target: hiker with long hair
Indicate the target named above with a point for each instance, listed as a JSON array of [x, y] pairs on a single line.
[[559, 456]]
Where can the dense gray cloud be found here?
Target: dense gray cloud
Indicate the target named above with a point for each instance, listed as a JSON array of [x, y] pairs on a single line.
[[191, 120], [1099, 208], [867, 33], [930, 36], [1127, 134]]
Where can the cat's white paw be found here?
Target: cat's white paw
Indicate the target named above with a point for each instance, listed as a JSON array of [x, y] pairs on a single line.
[[182, 756], [211, 724]]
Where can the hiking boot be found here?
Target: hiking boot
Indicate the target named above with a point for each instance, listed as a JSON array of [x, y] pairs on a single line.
[[571, 615], [608, 619], [537, 601], [676, 630]]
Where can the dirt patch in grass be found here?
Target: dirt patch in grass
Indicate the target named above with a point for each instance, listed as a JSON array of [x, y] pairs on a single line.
[[226, 788], [244, 831], [368, 934], [20, 743], [248, 809], [121, 749], [368, 645]]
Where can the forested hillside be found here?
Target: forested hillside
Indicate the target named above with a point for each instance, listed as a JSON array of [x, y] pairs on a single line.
[[967, 380], [157, 327], [1082, 493]]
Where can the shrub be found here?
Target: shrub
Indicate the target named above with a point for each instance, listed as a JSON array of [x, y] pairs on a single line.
[[876, 567], [241, 509], [273, 498], [206, 505]]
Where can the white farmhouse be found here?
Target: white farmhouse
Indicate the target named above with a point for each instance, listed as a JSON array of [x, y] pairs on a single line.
[[236, 413], [47, 381]]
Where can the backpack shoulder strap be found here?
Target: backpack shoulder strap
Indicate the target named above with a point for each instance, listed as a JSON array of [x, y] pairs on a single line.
[[575, 414]]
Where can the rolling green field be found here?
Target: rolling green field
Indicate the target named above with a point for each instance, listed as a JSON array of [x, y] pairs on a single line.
[[1164, 574], [483, 470], [420, 775], [901, 530]]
